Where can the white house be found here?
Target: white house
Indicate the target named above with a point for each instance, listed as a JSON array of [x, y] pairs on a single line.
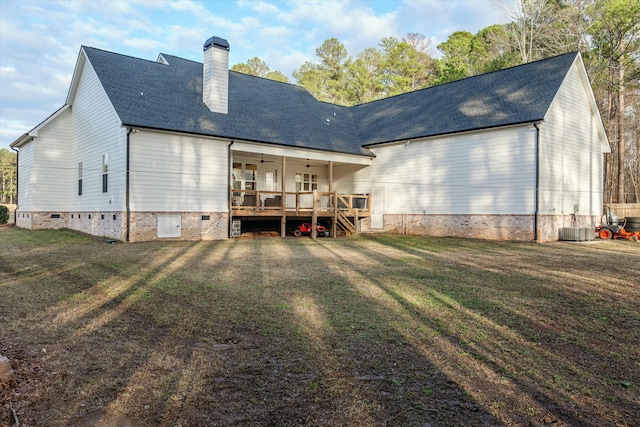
[[176, 149]]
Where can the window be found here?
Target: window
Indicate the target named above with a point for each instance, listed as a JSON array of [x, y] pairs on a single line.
[[80, 179], [105, 173], [244, 178], [250, 173], [237, 176], [306, 181]]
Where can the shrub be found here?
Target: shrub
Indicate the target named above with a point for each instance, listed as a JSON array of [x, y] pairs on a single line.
[[4, 214]]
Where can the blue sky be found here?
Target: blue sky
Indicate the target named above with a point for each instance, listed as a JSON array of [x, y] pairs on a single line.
[[40, 40]]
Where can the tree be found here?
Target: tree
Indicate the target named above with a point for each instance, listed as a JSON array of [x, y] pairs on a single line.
[[257, 67], [4, 214], [528, 19], [327, 80], [455, 63], [489, 52], [364, 84], [615, 32], [402, 69], [8, 176], [277, 76]]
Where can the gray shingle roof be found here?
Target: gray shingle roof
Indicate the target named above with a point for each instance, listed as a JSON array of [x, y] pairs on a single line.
[[514, 95], [169, 97]]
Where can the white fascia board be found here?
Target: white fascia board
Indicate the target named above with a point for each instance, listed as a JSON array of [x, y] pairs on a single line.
[[584, 77], [162, 60], [300, 153], [453, 134], [77, 72], [23, 139]]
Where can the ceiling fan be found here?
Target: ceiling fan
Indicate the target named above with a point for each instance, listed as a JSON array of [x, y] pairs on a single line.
[[262, 160], [312, 166]]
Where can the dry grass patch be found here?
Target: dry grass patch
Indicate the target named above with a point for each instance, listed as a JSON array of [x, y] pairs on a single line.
[[372, 330]]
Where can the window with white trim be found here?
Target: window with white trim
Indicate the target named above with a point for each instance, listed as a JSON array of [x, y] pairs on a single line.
[[79, 178], [105, 173], [306, 181]]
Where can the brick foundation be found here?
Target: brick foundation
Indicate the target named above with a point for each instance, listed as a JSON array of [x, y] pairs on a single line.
[[144, 226], [550, 225], [490, 227]]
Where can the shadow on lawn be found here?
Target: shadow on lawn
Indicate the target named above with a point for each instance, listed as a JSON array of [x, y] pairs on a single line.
[[373, 331], [534, 349], [184, 334]]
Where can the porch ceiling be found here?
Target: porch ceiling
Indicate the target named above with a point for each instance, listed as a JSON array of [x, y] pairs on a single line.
[[275, 153]]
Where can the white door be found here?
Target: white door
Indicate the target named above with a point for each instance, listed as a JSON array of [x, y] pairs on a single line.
[[270, 181], [377, 207], [169, 226]]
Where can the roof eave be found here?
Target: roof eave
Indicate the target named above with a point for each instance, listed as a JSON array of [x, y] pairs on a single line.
[[368, 153], [479, 129], [23, 139]]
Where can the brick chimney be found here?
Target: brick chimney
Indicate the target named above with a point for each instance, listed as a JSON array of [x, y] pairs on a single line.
[[215, 75]]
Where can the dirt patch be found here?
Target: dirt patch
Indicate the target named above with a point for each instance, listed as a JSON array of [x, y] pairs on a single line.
[[373, 330]]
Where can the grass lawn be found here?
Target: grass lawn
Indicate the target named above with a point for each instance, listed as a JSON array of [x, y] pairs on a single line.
[[369, 330]]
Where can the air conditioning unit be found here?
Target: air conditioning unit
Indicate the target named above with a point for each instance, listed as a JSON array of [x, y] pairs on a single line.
[[573, 234]]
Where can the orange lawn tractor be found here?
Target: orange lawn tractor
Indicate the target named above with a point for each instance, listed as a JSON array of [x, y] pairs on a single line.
[[306, 229], [613, 230]]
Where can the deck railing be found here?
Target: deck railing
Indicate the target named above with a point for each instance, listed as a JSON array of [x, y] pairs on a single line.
[[253, 200]]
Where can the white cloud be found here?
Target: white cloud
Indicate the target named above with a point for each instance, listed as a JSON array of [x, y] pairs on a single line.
[[40, 39], [8, 71]]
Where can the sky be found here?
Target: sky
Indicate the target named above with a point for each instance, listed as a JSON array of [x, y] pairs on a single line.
[[40, 40]]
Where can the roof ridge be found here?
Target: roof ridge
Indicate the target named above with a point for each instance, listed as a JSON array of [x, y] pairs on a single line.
[[179, 57], [119, 54]]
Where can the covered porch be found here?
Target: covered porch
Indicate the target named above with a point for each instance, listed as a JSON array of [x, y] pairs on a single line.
[[295, 186]]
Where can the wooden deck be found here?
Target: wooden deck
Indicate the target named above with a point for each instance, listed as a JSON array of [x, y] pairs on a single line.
[[344, 209]]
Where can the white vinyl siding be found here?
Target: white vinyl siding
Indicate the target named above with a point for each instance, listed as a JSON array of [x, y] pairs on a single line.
[[490, 172], [25, 177], [97, 131], [52, 179], [173, 173], [571, 160], [216, 79]]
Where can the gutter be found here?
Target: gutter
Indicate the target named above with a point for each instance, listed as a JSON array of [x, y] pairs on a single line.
[[126, 197], [229, 183], [15, 212], [536, 197]]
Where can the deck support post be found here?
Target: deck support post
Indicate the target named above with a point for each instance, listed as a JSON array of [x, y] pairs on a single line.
[[334, 223], [314, 217], [283, 220], [330, 176]]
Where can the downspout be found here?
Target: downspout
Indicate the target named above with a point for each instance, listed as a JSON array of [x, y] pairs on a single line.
[[536, 197], [15, 212], [126, 197], [229, 184]]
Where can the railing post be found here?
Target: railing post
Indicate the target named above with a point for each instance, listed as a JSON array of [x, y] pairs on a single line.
[[335, 215], [314, 217]]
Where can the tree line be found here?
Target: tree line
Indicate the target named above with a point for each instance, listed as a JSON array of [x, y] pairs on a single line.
[[606, 32], [8, 176]]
